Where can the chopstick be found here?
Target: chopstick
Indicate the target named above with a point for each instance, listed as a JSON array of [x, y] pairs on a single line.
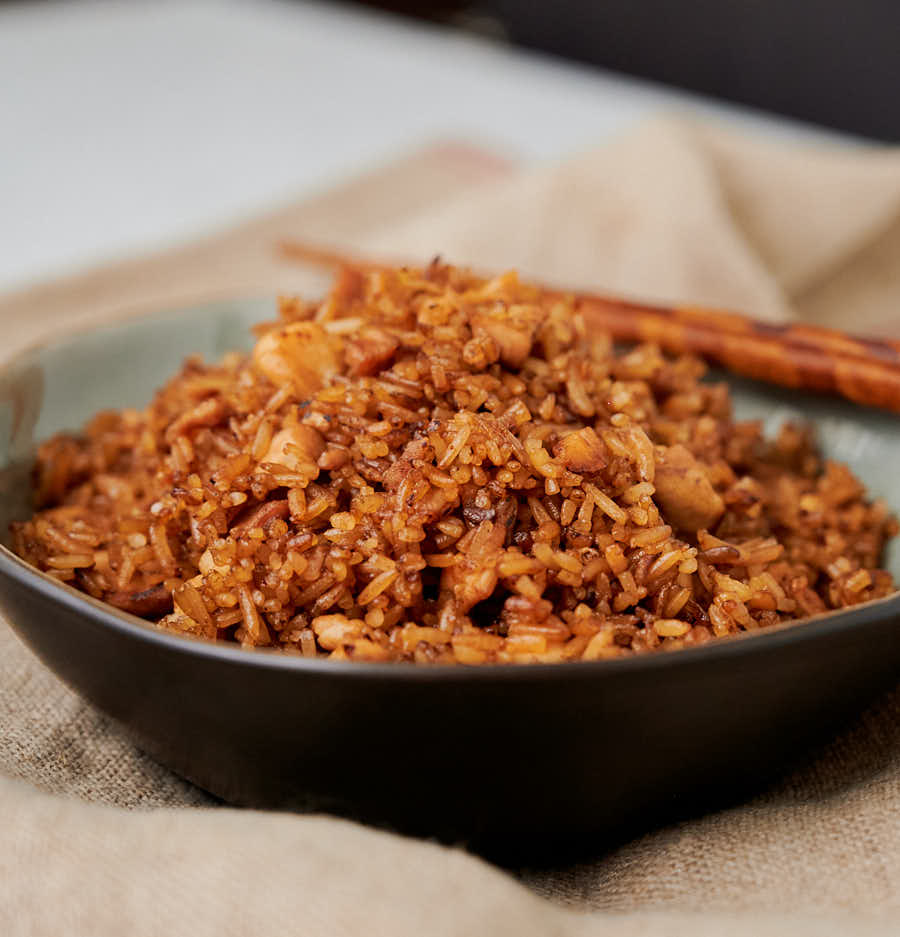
[[866, 371]]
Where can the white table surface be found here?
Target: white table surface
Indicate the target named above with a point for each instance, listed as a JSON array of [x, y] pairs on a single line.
[[128, 125]]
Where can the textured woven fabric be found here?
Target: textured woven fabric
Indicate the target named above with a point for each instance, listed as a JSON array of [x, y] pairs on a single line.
[[96, 838]]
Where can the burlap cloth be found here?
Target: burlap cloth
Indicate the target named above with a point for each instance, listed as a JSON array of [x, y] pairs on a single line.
[[97, 839]]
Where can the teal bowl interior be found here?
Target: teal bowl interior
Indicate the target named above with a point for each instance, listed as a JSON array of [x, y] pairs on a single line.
[[61, 383]]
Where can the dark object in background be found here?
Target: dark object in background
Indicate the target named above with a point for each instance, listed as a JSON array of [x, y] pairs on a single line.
[[835, 62], [440, 10]]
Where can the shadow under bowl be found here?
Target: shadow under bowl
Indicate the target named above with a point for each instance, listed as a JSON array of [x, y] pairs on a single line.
[[510, 759]]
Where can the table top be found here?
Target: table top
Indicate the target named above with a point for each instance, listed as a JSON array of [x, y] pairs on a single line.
[[134, 124]]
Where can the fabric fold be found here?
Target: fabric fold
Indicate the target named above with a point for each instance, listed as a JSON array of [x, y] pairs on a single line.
[[96, 838]]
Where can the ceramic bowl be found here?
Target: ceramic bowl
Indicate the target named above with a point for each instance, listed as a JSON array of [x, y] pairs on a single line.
[[497, 756]]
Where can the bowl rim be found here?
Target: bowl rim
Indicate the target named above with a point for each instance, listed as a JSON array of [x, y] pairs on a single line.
[[764, 639], [15, 568]]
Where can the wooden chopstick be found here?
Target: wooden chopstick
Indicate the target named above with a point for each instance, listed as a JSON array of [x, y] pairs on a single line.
[[866, 371], [862, 370]]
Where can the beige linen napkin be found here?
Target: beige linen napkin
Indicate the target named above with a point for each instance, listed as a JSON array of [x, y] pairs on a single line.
[[672, 212]]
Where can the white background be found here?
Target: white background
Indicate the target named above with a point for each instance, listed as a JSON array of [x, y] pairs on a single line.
[[128, 125]]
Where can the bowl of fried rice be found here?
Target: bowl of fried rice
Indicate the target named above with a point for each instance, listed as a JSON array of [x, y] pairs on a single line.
[[435, 552]]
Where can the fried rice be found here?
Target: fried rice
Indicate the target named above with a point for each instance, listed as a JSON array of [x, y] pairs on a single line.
[[434, 467]]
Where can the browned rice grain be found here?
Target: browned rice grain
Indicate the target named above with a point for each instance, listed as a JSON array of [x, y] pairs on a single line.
[[433, 467]]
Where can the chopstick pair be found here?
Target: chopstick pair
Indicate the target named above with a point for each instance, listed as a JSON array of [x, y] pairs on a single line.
[[866, 371]]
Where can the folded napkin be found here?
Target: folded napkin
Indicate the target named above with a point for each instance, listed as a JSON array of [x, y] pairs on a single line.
[[96, 838]]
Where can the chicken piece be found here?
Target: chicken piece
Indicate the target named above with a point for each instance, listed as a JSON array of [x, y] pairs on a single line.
[[370, 351], [582, 451], [683, 490], [469, 582], [302, 353], [475, 578], [295, 446], [512, 329]]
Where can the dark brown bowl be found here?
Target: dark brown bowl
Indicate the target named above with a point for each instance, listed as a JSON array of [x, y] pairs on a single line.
[[497, 756]]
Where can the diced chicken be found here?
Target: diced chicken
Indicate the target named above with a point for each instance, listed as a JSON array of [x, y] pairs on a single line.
[[683, 490], [470, 583], [582, 451], [334, 630], [302, 353], [475, 578], [370, 351], [512, 330], [295, 446]]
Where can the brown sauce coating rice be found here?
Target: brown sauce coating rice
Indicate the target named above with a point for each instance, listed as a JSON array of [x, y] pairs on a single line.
[[434, 467]]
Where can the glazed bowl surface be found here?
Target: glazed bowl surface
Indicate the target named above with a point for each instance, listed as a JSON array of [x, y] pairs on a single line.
[[504, 757]]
